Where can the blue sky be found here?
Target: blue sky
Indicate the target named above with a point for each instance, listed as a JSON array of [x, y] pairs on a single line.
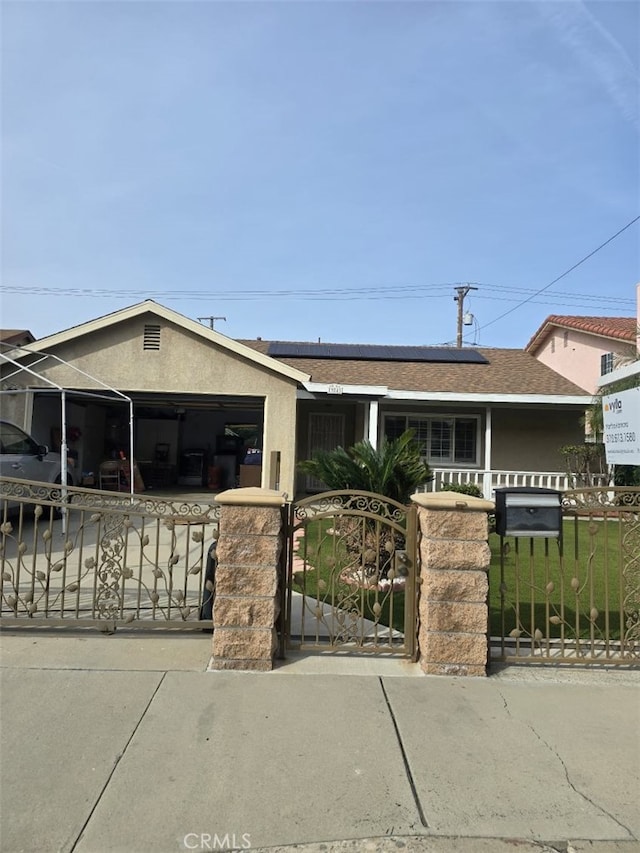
[[320, 169]]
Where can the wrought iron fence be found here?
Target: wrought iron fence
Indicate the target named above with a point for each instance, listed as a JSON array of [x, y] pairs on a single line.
[[575, 599], [352, 565], [78, 557]]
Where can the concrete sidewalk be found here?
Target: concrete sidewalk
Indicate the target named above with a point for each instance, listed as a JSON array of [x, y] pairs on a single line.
[[127, 743]]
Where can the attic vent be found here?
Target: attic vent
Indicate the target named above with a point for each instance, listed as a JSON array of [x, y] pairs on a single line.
[[151, 337]]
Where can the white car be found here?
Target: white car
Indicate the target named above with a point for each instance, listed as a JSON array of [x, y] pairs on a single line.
[[22, 457]]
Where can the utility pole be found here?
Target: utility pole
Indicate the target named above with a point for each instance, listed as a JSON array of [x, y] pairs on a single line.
[[462, 292], [212, 320]]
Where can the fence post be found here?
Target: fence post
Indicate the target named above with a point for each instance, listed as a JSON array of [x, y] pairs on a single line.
[[453, 588], [247, 602]]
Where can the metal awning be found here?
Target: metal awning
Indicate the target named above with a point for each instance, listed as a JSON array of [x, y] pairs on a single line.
[[103, 392]]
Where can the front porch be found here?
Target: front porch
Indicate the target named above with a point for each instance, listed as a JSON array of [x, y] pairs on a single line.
[[463, 443]]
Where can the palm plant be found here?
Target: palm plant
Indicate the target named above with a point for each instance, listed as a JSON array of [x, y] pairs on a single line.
[[395, 469]]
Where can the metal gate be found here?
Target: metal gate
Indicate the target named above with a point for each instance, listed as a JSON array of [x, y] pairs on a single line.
[[103, 559], [575, 599], [351, 574]]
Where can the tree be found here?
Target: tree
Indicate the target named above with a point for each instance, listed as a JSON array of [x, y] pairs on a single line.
[[395, 469]]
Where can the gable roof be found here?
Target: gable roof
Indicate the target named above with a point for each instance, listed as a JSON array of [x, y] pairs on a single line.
[[505, 372], [293, 372], [615, 328]]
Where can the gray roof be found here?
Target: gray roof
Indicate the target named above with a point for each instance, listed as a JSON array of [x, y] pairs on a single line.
[[507, 371]]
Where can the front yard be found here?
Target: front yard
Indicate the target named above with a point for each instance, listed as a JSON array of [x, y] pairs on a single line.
[[559, 590], [547, 590]]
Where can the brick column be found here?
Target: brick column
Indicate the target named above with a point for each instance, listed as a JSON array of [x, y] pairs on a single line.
[[247, 603], [452, 603]]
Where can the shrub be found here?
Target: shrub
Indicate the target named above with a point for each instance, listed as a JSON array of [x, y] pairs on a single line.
[[464, 489], [395, 469]]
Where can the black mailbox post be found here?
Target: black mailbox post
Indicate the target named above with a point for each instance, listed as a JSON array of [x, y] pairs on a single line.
[[522, 511]]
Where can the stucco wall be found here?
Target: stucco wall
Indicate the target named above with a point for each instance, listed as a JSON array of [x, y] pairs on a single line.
[[529, 439], [578, 359], [185, 364]]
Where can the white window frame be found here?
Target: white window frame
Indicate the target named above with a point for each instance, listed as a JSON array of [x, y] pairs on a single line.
[[438, 462], [607, 363]]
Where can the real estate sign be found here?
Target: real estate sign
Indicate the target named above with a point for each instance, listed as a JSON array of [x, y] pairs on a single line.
[[621, 415]]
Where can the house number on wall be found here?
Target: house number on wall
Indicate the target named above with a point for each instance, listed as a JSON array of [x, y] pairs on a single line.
[[334, 389]]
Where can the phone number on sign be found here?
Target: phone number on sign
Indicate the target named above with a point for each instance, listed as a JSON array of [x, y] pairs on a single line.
[[620, 437]]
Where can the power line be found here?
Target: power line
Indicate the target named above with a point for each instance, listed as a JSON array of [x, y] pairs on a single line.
[[368, 293], [388, 292], [551, 283]]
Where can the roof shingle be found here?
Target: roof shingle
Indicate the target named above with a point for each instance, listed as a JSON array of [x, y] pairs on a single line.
[[509, 371]]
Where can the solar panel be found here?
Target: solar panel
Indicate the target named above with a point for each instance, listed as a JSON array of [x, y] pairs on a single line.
[[375, 352]]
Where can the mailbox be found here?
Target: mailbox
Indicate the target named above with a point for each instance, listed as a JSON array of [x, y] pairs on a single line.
[[529, 512]]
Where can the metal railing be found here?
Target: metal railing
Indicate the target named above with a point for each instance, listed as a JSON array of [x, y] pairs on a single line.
[[352, 561], [575, 599], [87, 557], [489, 481]]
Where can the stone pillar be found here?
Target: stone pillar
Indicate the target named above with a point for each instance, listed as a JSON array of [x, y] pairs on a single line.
[[247, 602], [452, 603]]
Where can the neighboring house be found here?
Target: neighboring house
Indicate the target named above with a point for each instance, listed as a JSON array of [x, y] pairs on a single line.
[[15, 338], [201, 400], [585, 348]]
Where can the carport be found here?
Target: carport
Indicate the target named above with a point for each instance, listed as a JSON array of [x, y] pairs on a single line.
[[192, 441], [10, 387]]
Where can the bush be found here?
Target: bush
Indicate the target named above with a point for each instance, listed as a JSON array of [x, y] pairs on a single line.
[[627, 475], [464, 489]]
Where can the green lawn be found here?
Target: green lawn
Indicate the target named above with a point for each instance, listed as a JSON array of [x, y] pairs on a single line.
[[548, 591], [559, 592]]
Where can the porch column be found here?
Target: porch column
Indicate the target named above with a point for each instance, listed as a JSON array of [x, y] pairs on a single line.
[[247, 601], [486, 477], [372, 422]]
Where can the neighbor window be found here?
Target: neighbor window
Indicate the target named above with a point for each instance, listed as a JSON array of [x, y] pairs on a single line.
[[443, 439], [606, 363]]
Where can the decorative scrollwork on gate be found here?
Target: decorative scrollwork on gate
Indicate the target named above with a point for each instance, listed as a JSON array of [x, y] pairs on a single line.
[[47, 494], [111, 566], [580, 600], [351, 502], [614, 497], [353, 563]]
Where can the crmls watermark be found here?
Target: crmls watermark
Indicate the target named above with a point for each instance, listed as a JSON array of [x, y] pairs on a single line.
[[207, 841]]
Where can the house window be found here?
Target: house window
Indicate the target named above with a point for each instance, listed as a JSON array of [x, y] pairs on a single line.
[[151, 338], [565, 339], [606, 363], [553, 345], [443, 440]]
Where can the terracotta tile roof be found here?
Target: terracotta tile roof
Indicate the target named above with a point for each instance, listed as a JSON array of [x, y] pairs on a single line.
[[617, 328], [510, 371]]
